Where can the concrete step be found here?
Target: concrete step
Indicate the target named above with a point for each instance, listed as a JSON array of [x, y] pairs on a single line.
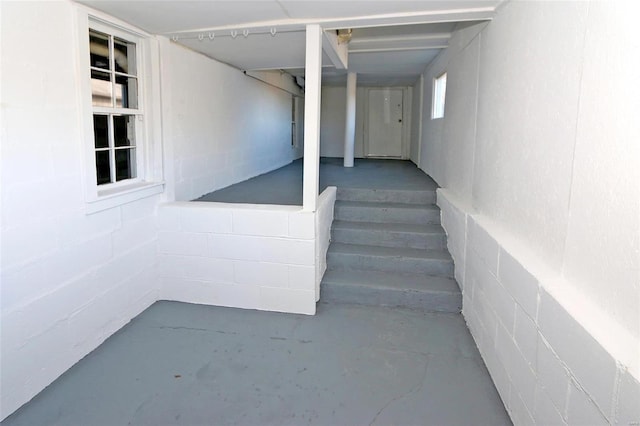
[[389, 234], [360, 211], [341, 256], [377, 288], [405, 196]]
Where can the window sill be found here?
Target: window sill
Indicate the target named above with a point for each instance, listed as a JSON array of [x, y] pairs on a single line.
[[108, 199]]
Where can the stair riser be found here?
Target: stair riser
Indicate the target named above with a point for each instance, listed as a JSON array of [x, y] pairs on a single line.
[[436, 267], [354, 294], [386, 215], [382, 195], [374, 237]]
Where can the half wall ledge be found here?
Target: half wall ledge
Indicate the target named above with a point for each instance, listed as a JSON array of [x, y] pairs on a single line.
[[251, 256]]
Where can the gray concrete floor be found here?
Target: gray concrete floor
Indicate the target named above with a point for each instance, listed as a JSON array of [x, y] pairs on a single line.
[[284, 185], [182, 364]]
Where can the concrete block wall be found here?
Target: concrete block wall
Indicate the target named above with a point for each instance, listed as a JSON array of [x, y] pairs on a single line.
[[68, 279], [68, 288], [220, 126], [547, 368], [242, 255]]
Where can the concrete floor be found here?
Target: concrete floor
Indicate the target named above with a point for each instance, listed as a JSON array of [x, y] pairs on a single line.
[[181, 364], [284, 185]]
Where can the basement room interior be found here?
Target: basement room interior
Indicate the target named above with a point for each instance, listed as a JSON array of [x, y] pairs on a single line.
[[286, 212]]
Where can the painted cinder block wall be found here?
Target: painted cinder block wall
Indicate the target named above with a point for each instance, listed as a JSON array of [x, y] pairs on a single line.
[[70, 279], [539, 164], [220, 126]]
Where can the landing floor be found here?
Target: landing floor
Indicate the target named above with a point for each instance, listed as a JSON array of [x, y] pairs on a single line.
[[181, 364], [284, 185]]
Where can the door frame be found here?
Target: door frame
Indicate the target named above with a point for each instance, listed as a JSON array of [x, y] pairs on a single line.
[[406, 122]]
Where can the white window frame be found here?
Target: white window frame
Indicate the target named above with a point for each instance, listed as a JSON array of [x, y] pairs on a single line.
[[439, 96], [148, 180]]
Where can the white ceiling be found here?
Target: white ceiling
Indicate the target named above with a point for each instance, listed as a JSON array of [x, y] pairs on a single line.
[[392, 41]]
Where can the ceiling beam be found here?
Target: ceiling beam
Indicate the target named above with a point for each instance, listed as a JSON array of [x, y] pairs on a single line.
[[337, 52]]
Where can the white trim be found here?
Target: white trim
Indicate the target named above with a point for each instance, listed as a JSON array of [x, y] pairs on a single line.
[[111, 199]]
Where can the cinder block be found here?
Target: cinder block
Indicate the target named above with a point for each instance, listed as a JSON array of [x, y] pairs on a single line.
[[627, 408], [133, 233], [301, 277], [302, 225], [523, 379], [74, 261], [581, 410], [21, 284], [142, 208], [296, 252], [190, 291], [288, 300], [485, 313], [499, 376], [238, 296], [207, 269], [546, 413], [205, 218], [27, 243], [183, 243], [526, 336], [592, 366], [520, 283], [484, 245], [261, 274], [91, 320], [552, 376], [168, 217], [268, 223], [238, 247], [499, 299], [79, 227]]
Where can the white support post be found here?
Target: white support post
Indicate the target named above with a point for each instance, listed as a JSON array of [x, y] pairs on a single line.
[[312, 80], [350, 121]]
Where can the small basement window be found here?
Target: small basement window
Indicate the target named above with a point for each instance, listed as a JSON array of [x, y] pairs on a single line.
[[439, 92]]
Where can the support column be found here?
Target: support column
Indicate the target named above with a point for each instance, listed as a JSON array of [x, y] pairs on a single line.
[[312, 83], [350, 121]]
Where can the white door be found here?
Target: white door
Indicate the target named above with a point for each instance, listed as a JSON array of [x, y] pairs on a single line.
[[384, 129]]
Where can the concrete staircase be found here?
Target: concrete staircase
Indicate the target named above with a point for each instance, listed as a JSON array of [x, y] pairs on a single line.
[[388, 248]]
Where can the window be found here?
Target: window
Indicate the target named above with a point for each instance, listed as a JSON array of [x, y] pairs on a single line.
[[116, 110], [119, 73], [439, 92]]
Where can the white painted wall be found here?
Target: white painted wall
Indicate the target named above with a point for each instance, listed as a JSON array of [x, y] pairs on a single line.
[[540, 165], [417, 91], [221, 126], [332, 121], [68, 280]]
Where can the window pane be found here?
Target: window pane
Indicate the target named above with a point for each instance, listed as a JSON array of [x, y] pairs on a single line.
[[126, 92], [124, 130], [101, 131], [101, 89], [99, 48], [103, 172], [125, 164], [125, 56]]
